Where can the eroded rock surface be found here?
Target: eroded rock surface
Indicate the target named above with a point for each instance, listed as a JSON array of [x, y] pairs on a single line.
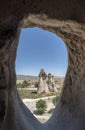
[[46, 83], [64, 18]]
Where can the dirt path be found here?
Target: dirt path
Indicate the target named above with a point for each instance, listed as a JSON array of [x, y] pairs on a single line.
[[31, 104], [26, 100]]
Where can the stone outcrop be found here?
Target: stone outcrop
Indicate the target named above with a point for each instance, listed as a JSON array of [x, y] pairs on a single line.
[[67, 20], [46, 83], [51, 83]]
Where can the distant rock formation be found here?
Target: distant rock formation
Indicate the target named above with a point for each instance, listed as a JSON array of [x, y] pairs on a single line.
[[46, 83]]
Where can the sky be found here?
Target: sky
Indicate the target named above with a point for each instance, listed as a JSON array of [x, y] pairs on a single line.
[[39, 49]]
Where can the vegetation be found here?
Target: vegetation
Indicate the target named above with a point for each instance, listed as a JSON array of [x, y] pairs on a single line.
[[41, 106], [19, 85], [24, 84], [32, 94], [36, 84], [55, 100]]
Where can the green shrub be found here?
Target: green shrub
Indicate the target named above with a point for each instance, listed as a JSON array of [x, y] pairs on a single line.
[[36, 84], [41, 106], [24, 84], [55, 100], [19, 85]]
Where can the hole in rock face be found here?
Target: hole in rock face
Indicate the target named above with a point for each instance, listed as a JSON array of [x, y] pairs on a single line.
[[41, 65]]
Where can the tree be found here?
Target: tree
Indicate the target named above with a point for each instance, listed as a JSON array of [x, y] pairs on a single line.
[[25, 84], [55, 100], [36, 84], [41, 106], [19, 85]]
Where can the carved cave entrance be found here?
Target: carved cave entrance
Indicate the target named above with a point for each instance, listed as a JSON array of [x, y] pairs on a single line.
[[27, 84], [70, 111]]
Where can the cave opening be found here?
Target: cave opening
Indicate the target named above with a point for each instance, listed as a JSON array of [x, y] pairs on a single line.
[[39, 53]]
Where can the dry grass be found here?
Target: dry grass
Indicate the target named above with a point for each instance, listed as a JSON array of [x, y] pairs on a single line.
[[33, 94]]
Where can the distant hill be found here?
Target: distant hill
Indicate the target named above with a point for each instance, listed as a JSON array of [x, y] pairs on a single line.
[[30, 77], [27, 77]]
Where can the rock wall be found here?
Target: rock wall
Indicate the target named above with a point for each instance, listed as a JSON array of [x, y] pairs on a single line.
[[64, 18]]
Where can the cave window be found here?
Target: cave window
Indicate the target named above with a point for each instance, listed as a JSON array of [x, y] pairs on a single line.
[[38, 50]]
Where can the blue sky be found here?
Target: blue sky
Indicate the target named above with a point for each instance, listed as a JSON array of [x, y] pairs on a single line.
[[41, 49]]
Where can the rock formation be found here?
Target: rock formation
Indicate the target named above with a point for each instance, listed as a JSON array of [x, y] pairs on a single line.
[[46, 83], [67, 20], [42, 85], [51, 83]]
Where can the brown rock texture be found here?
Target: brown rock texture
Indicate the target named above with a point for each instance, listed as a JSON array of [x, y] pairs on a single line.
[[64, 18]]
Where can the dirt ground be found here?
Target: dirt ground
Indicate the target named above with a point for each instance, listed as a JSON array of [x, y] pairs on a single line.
[[31, 104]]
